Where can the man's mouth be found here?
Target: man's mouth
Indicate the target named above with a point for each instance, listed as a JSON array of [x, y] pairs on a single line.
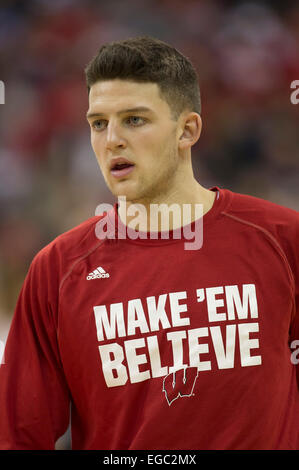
[[121, 169]]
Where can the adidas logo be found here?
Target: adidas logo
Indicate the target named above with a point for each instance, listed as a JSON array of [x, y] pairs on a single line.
[[97, 273]]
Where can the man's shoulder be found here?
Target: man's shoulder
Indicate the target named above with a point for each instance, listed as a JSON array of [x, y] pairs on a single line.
[[71, 244], [274, 220], [256, 210]]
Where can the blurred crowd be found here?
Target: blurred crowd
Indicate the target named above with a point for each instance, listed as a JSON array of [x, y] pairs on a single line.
[[246, 55]]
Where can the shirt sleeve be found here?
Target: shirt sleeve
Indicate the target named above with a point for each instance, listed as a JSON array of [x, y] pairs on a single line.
[[294, 263], [34, 397]]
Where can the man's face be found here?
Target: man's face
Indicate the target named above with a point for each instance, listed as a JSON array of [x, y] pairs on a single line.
[[131, 124]]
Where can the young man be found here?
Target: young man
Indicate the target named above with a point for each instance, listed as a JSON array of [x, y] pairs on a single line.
[[155, 344]]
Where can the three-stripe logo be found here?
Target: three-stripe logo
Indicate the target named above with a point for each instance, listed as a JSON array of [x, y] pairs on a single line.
[[97, 274]]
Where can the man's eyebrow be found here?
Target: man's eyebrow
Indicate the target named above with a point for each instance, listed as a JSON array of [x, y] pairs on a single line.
[[139, 109]]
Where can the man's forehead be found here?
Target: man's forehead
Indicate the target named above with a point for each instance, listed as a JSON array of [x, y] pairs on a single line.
[[122, 87], [123, 93]]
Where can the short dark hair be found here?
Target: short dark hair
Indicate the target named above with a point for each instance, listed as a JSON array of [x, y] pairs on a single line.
[[147, 59]]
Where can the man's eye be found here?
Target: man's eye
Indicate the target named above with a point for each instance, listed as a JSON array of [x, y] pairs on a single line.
[[135, 120], [100, 124], [97, 124]]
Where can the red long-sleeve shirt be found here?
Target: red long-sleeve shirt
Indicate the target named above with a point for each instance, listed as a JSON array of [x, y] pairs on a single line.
[[156, 346]]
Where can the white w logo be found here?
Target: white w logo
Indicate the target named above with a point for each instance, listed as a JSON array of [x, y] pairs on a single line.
[[180, 383]]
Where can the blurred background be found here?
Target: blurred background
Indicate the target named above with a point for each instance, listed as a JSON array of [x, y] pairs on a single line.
[[246, 54]]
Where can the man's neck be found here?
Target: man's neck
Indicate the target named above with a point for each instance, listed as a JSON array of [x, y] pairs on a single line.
[[169, 212]]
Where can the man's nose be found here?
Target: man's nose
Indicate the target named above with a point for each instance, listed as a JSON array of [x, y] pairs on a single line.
[[114, 136]]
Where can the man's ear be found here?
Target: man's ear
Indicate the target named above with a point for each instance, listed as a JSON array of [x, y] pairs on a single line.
[[190, 128]]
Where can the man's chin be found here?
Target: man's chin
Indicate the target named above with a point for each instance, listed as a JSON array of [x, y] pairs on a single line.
[[129, 194]]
